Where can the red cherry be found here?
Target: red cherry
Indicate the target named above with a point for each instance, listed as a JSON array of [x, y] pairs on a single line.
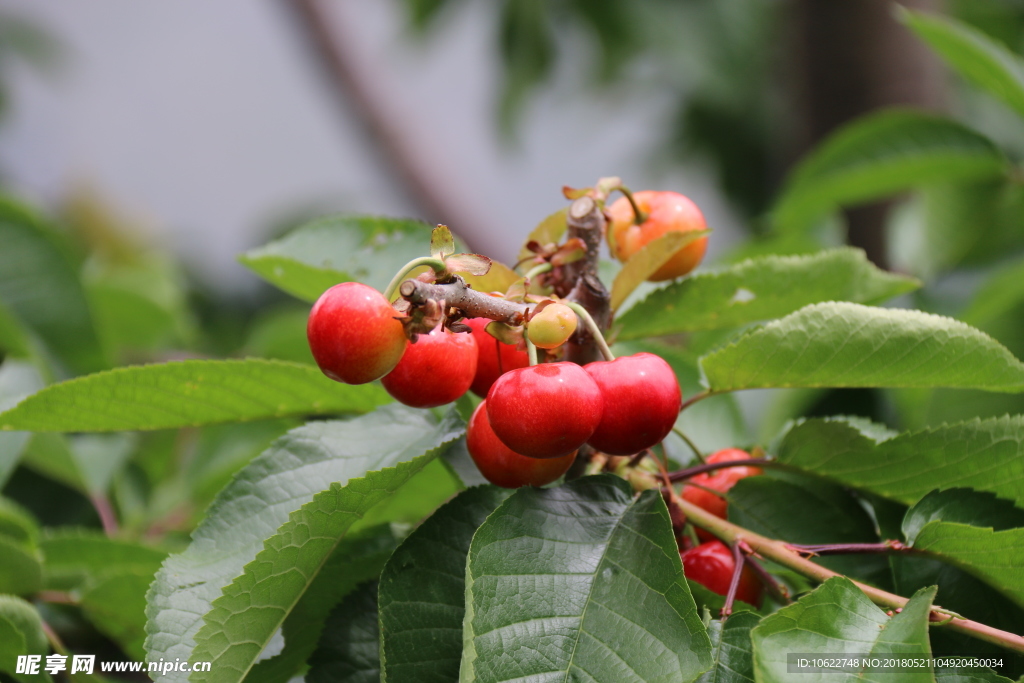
[[718, 480], [641, 402], [502, 466], [712, 565], [666, 212], [545, 411], [354, 335], [436, 369], [493, 357]]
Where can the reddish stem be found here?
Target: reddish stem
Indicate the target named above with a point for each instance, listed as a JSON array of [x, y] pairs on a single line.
[[739, 559], [688, 472], [889, 546], [106, 513]]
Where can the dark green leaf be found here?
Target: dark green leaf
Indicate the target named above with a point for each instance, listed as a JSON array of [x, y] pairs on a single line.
[[21, 567], [116, 605], [289, 508], [982, 454], [348, 649], [188, 393], [17, 523], [759, 289], [334, 249], [838, 619], [878, 155], [993, 553], [973, 55], [580, 582], [40, 284], [21, 633], [849, 345], [732, 650], [422, 591], [74, 557]]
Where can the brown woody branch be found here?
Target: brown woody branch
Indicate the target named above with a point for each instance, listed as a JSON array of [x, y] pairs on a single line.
[[472, 303]]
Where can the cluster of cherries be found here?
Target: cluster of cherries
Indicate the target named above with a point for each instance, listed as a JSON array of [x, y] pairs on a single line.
[[533, 419]]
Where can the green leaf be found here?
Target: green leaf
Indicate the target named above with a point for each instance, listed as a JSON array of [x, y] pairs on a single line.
[[188, 394], [21, 633], [838, 619], [442, 243], [548, 231], [849, 345], [21, 568], [17, 379], [731, 649], [807, 511], [646, 262], [962, 506], [969, 676], [17, 523], [982, 454], [40, 284], [979, 59], [348, 651], [289, 507], [881, 154], [422, 591], [14, 339], [358, 558], [334, 249], [116, 605], [580, 582], [74, 557], [941, 526], [999, 294], [760, 289]]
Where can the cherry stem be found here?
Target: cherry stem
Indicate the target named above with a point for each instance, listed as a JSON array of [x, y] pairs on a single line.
[[780, 592], [739, 559], [638, 215], [889, 546], [585, 316], [531, 351], [437, 264], [638, 457], [537, 270], [693, 399], [106, 513], [782, 554], [688, 472], [693, 447]]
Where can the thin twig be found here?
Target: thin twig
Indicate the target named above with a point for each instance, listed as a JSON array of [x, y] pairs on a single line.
[[693, 447], [106, 513], [688, 472], [738, 560], [693, 399]]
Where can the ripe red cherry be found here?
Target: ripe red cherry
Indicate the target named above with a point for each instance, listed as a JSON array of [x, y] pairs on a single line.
[[436, 369], [641, 402], [502, 466], [718, 480], [545, 411], [666, 212], [354, 335], [493, 357], [712, 565]]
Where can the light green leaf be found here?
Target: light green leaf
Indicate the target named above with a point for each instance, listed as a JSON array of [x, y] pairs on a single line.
[[422, 591], [40, 284], [21, 568], [946, 526], [732, 651], [979, 59], [74, 557], [116, 605], [358, 558], [17, 523], [1002, 291], [982, 454], [290, 506], [646, 262], [580, 582], [548, 231], [442, 243], [348, 651], [334, 249], [17, 379], [188, 393], [980, 675], [838, 619], [849, 345], [760, 289], [878, 155], [21, 633], [14, 339]]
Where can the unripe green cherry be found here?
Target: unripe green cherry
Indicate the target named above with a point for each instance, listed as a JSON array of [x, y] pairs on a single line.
[[552, 326]]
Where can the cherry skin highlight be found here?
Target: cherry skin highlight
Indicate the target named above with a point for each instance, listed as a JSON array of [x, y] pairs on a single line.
[[545, 411], [502, 466], [641, 402], [354, 335], [712, 565], [493, 357], [437, 369], [666, 212]]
